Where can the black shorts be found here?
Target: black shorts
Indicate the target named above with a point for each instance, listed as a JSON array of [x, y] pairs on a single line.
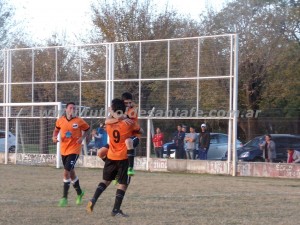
[[116, 169], [135, 140], [69, 161]]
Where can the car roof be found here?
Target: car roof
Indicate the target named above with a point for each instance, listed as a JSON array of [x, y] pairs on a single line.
[[282, 135]]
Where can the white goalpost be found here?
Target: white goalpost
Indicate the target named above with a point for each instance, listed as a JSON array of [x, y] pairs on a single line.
[[29, 123]]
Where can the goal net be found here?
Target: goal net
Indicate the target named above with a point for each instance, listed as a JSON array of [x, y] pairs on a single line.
[[28, 127]]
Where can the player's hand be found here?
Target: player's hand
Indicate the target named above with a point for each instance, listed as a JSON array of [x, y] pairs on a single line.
[[128, 121], [141, 131], [110, 111], [54, 139], [123, 117], [79, 140]]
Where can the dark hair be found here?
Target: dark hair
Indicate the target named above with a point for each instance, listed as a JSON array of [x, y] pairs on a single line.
[[269, 135], [118, 106], [70, 103], [126, 96]]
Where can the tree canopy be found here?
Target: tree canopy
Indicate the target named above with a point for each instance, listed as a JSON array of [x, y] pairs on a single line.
[[269, 54]]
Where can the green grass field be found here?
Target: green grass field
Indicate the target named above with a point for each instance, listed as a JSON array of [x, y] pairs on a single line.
[[29, 195]]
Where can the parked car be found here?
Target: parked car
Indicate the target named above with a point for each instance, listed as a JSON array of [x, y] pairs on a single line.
[[11, 142], [251, 152], [217, 149], [91, 149]]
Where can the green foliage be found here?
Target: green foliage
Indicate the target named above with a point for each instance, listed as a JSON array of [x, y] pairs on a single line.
[[268, 55], [282, 90]]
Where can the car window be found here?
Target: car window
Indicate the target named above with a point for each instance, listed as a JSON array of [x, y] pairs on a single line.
[[2, 135], [213, 139], [223, 139], [287, 142], [295, 143], [254, 142]]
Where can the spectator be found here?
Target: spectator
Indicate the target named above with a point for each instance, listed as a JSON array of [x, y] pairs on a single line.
[[293, 156], [269, 149], [103, 135], [178, 139], [190, 139], [204, 141], [184, 128], [158, 141], [94, 140]]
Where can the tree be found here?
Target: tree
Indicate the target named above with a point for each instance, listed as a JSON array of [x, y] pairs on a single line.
[[6, 15], [134, 20], [40, 65], [266, 30]]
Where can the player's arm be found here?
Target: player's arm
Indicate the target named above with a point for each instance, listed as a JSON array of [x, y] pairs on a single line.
[[111, 120], [114, 117], [84, 135], [137, 129], [55, 134]]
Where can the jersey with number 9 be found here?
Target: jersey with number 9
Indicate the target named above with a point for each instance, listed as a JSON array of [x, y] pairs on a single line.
[[118, 133]]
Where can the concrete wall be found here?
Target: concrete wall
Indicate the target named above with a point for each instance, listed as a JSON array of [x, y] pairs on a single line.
[[170, 165]]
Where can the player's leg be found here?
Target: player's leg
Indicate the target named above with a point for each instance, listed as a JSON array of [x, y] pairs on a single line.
[[131, 143], [74, 179], [109, 173], [124, 180], [102, 152], [66, 182]]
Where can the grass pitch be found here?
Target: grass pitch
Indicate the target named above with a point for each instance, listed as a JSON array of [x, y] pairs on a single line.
[[29, 195]]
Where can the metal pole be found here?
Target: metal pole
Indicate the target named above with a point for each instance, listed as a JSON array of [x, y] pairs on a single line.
[[6, 108], [148, 144], [230, 137], [59, 139], [168, 76], [149, 138], [235, 100]]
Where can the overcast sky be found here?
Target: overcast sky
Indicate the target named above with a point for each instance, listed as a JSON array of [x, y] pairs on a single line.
[[44, 17]]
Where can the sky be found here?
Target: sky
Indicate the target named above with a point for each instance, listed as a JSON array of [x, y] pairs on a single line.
[[71, 17]]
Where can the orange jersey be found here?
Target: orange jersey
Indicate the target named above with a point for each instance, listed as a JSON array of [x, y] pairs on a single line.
[[118, 132], [70, 132], [132, 113]]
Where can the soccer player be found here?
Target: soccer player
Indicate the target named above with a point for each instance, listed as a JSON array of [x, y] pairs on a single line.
[[72, 131], [131, 112], [116, 164], [133, 141]]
